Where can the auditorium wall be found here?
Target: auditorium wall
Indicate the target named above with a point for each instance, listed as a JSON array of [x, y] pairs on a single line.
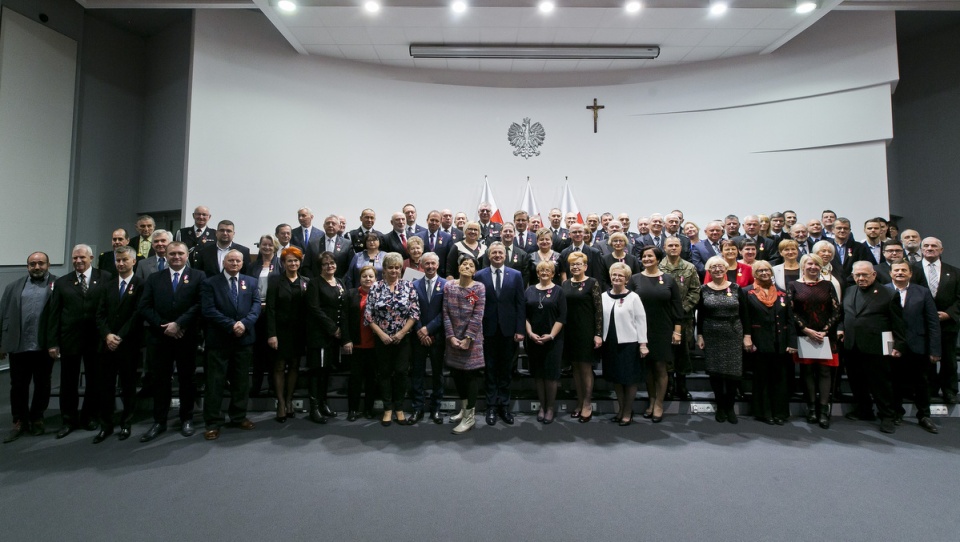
[[805, 127]]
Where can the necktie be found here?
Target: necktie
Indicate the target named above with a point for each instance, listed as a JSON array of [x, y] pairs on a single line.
[[306, 237], [409, 230], [330, 245], [176, 281], [933, 279], [509, 251], [161, 264], [83, 282], [432, 240], [403, 240], [234, 294], [429, 290], [915, 257], [657, 241], [716, 248], [498, 283], [123, 288]]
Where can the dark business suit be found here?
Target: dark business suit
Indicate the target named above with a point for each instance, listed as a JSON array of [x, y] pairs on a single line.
[[263, 355], [26, 365], [159, 305], [342, 254], [440, 247], [766, 249], [391, 242], [209, 262], [527, 241], [515, 259], [414, 230], [561, 239], [147, 267], [296, 236], [868, 312], [117, 314], [106, 262], [431, 317], [228, 356], [883, 273], [503, 317], [862, 252], [922, 328], [135, 245], [189, 237], [594, 264], [843, 264], [700, 253], [357, 237], [948, 301], [772, 331], [72, 327]]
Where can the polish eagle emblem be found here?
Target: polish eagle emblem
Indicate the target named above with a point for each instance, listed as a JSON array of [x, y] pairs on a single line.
[[526, 138]]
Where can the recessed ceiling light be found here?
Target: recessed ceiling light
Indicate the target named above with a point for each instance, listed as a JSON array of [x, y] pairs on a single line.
[[632, 7], [459, 6], [372, 7], [286, 5], [546, 7], [718, 8], [806, 6]]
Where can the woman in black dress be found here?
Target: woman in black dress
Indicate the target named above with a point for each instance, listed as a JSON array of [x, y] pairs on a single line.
[[661, 299], [470, 244], [720, 335], [618, 253], [584, 331], [326, 305], [769, 335], [266, 265], [359, 348], [624, 340], [546, 315], [286, 327]]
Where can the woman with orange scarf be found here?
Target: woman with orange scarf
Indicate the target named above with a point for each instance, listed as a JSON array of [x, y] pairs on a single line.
[[770, 337]]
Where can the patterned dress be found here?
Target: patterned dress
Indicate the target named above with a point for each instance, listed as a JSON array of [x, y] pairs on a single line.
[[816, 306], [463, 317], [391, 309], [719, 321]]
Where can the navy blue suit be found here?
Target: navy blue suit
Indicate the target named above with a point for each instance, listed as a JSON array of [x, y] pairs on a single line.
[[441, 245], [700, 253], [922, 329], [526, 241], [503, 317], [228, 356], [431, 318]]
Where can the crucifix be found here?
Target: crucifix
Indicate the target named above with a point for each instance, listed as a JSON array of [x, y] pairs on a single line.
[[596, 112]]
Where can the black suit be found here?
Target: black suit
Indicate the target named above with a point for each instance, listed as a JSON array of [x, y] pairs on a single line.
[[357, 237], [594, 262], [772, 331], [766, 249], [948, 301], [135, 244], [117, 315], [72, 327], [342, 254], [922, 328], [159, 305], [843, 267], [862, 252], [883, 273], [561, 239], [868, 312], [189, 237], [208, 260], [456, 234], [391, 242], [490, 231], [106, 262]]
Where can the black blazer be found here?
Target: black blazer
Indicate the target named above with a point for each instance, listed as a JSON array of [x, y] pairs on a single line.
[[595, 267], [390, 242], [357, 236], [771, 329], [353, 317], [72, 322], [921, 323], [282, 313], [867, 314], [106, 262], [118, 314], [342, 253], [221, 314], [948, 294], [326, 306], [135, 245], [208, 262], [766, 249], [844, 270], [159, 304], [188, 236], [863, 252], [255, 267]]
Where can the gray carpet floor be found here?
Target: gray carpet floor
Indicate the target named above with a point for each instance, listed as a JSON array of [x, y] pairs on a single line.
[[688, 478]]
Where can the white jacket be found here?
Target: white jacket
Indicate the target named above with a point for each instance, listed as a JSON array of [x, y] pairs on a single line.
[[629, 315]]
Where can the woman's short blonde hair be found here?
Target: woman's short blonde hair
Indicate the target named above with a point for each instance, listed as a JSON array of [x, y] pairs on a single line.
[[576, 257], [544, 231], [392, 259], [816, 259], [623, 268], [788, 243], [714, 260], [618, 235], [824, 244], [414, 241], [546, 264], [761, 264]]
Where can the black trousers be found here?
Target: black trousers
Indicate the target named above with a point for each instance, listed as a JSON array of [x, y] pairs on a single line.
[[770, 399], [467, 385], [123, 363], [871, 377], [164, 355], [393, 365], [320, 363], [946, 378], [70, 386], [224, 364], [499, 358], [418, 372], [27, 367], [363, 376], [681, 352], [916, 369]]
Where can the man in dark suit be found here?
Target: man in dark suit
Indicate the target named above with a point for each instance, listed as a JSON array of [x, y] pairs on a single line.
[[72, 337], [800, 234], [301, 236], [435, 239], [210, 256], [198, 234], [142, 243], [447, 226], [561, 236], [597, 233], [331, 241], [911, 246], [815, 231], [516, 258], [118, 238], [410, 218], [870, 249], [284, 234], [396, 239], [157, 262], [170, 305], [358, 236], [578, 244], [766, 250], [23, 320], [892, 252], [503, 326], [625, 225], [923, 342], [524, 239], [230, 304], [869, 310], [121, 331], [671, 227], [943, 281], [843, 259], [489, 230], [604, 246], [429, 341], [707, 248]]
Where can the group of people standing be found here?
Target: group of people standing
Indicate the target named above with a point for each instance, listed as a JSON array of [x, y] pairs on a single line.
[[575, 297]]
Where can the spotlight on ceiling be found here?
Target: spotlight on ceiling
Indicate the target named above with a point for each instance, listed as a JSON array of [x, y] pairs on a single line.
[[806, 6], [632, 7], [372, 6], [287, 5], [459, 6], [718, 8], [546, 7]]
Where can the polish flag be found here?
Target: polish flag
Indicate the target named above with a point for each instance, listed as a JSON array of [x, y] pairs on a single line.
[[529, 204], [568, 204], [487, 197]]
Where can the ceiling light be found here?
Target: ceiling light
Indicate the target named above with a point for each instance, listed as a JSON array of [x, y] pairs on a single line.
[[633, 7], [718, 8], [459, 6], [806, 6], [535, 51], [286, 5], [372, 7], [546, 7]]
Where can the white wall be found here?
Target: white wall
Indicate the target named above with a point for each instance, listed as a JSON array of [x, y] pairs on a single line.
[[806, 127]]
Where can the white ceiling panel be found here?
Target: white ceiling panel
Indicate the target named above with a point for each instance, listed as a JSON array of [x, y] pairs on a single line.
[[392, 52], [699, 54], [311, 35], [325, 50], [684, 37], [463, 64], [387, 35], [359, 52], [461, 35], [351, 35], [741, 51], [611, 36], [499, 35], [424, 34], [723, 37], [759, 37], [575, 35]]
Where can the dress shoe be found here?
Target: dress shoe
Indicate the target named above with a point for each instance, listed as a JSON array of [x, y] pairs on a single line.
[[91, 426], [153, 432], [886, 426], [64, 431], [124, 433], [656, 419], [540, 415], [855, 416], [246, 424], [186, 428], [211, 433], [507, 416], [548, 417], [732, 417], [778, 421], [949, 398], [37, 428], [353, 416], [587, 418], [327, 411], [927, 425], [415, 417], [811, 413], [898, 419], [615, 418], [436, 417], [575, 414], [824, 420], [291, 412], [721, 415], [624, 423], [387, 419], [647, 414], [683, 395], [15, 433], [102, 435], [491, 416]]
